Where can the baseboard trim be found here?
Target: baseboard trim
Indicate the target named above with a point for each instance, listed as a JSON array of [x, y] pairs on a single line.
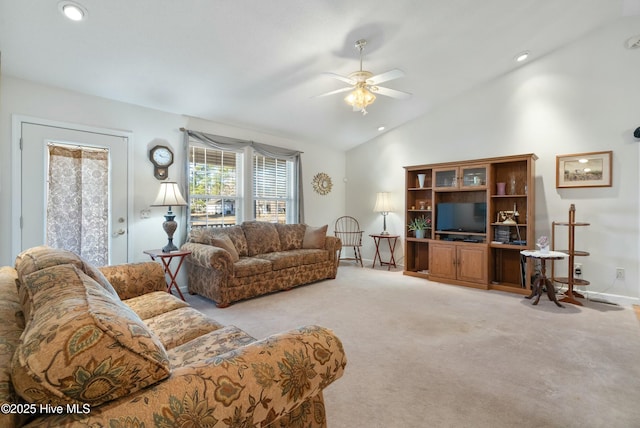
[[613, 299]]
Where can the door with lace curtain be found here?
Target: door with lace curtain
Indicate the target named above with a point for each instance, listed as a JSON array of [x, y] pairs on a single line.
[[74, 192]]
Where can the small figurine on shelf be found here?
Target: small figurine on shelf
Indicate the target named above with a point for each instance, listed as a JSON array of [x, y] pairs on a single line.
[[543, 244], [419, 225]]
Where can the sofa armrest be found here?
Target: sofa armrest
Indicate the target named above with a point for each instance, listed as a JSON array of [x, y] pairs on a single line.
[[209, 256], [135, 279], [249, 386], [333, 245]]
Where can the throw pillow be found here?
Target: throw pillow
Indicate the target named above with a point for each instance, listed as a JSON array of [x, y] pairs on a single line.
[[81, 344], [314, 237], [262, 237], [224, 242], [291, 235]]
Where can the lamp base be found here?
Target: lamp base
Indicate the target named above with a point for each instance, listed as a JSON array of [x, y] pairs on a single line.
[[169, 247], [384, 232], [169, 227]]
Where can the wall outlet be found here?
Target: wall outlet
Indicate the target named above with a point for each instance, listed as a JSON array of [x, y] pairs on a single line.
[[619, 273], [145, 213], [577, 269]]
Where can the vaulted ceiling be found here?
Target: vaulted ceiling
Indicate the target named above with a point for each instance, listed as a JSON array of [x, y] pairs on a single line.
[[258, 64]]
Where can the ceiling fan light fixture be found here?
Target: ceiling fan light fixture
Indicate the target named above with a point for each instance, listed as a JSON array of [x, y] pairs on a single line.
[[360, 98]]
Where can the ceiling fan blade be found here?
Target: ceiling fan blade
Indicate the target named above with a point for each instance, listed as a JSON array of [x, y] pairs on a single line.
[[337, 91], [385, 77], [393, 93], [340, 77]]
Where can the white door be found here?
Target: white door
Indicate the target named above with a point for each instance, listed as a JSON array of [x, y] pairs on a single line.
[[34, 172]]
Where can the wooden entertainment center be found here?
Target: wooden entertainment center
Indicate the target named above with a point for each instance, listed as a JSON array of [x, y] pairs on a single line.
[[487, 216]]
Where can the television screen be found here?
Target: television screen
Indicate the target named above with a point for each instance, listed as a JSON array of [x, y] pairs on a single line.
[[461, 217]]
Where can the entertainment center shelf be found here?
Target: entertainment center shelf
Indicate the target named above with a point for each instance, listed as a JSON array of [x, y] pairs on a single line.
[[482, 215]]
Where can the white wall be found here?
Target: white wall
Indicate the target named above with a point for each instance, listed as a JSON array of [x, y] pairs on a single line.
[[582, 98], [149, 127]]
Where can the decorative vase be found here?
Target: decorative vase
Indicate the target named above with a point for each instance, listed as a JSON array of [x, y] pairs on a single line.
[[501, 187], [420, 233], [512, 185], [544, 250], [421, 178]]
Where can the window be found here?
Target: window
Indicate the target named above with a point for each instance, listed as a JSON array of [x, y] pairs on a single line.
[[215, 178], [232, 180], [273, 190]]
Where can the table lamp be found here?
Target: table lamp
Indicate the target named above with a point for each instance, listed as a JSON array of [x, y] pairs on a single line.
[[169, 196], [383, 205]]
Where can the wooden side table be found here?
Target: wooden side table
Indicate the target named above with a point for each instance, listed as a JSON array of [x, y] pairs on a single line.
[[542, 280], [391, 240], [166, 259]]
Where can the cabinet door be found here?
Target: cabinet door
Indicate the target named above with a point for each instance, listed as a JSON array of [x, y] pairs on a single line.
[[474, 176], [472, 263], [442, 259], [445, 178], [465, 177]]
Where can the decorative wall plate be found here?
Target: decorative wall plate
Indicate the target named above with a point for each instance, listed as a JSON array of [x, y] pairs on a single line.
[[322, 183]]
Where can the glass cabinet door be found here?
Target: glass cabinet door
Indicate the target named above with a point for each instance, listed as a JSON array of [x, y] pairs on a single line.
[[446, 178], [474, 176]]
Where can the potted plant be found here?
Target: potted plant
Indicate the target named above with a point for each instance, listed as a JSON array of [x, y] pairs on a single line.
[[419, 225]]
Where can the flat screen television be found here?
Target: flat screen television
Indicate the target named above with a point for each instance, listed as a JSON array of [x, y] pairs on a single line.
[[468, 217]]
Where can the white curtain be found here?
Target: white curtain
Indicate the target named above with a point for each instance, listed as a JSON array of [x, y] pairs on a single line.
[[77, 201]]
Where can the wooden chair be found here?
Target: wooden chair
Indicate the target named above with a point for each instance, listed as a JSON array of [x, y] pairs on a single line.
[[348, 230]]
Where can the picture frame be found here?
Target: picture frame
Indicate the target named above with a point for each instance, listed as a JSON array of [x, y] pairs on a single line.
[[592, 169]]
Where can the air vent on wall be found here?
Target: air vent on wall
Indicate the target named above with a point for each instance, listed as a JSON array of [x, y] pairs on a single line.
[[633, 42]]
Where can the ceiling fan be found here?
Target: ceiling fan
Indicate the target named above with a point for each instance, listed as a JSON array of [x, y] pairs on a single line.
[[364, 85]]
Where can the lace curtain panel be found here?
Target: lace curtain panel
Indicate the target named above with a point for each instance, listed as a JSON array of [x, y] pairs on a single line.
[[78, 202]]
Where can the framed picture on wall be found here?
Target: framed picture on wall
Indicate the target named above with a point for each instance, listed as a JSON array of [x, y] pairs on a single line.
[[584, 170]]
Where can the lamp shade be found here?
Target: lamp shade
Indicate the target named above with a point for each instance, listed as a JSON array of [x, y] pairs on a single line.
[[383, 203], [169, 196]]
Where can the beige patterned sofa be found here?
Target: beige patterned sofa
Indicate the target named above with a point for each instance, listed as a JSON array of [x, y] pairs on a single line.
[[238, 262], [109, 347]]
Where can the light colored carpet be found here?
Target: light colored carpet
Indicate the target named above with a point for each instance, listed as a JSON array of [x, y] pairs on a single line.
[[423, 354]]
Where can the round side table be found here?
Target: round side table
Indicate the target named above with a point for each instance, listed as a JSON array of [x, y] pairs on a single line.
[[542, 280]]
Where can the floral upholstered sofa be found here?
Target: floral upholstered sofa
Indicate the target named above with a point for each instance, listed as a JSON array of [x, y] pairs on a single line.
[[228, 264], [109, 347]]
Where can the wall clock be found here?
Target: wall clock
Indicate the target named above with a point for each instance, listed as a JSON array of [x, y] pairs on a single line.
[[161, 157], [322, 183]]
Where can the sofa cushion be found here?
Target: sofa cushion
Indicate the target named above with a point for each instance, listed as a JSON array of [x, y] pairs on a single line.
[[224, 242], [81, 344], [262, 237], [203, 235], [282, 259], [155, 303], [210, 345], [314, 237], [249, 266], [180, 326], [136, 279], [291, 236], [311, 256], [42, 257]]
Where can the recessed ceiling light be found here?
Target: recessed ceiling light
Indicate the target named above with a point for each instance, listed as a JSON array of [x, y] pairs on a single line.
[[72, 10], [381, 128], [522, 56]]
